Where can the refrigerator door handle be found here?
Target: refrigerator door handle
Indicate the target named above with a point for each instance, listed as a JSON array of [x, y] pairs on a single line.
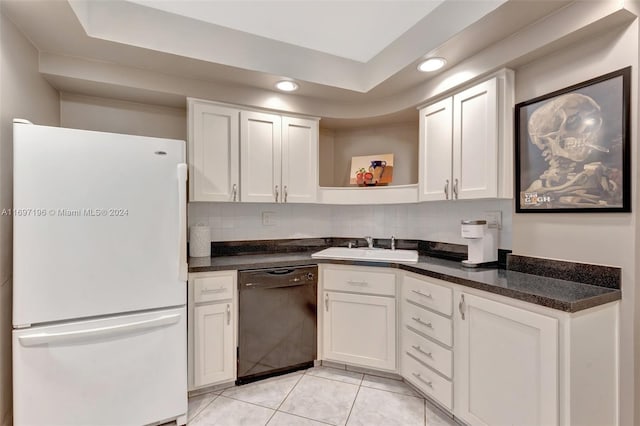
[[66, 336], [182, 222]]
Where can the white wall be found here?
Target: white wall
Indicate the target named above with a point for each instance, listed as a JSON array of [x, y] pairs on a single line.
[[24, 94], [433, 221], [326, 144], [111, 115], [608, 239]]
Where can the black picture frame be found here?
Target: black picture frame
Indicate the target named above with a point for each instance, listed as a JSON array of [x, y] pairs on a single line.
[[573, 148]]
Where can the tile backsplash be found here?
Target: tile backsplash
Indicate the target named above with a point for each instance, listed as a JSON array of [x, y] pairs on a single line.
[[433, 221]]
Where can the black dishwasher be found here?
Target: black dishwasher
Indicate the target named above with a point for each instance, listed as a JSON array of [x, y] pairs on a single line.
[[277, 321]]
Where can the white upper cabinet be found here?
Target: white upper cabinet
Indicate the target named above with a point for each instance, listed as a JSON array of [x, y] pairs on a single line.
[[261, 147], [465, 143], [279, 158], [475, 142], [251, 156], [214, 147], [299, 160], [436, 150]]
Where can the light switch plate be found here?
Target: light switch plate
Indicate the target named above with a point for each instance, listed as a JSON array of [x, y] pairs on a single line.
[[269, 218], [494, 219]]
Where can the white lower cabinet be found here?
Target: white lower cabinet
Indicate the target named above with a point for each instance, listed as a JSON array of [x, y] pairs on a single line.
[[212, 328], [426, 338], [359, 316], [506, 364], [493, 360], [360, 329], [213, 344]]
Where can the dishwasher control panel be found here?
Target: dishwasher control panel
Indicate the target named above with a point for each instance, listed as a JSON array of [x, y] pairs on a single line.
[[278, 277]]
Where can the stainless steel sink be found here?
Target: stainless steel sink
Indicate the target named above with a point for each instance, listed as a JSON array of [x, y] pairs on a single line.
[[369, 255]]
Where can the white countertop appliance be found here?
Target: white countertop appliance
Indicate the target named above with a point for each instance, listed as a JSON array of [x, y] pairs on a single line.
[[99, 278], [482, 242]]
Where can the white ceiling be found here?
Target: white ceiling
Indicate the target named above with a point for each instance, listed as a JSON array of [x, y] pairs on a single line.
[[356, 30], [145, 25], [137, 50]]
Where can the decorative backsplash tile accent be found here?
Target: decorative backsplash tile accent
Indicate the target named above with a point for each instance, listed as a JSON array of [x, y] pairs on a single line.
[[600, 275]]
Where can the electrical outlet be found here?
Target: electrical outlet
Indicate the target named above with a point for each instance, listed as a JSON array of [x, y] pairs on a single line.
[[494, 219], [269, 218]]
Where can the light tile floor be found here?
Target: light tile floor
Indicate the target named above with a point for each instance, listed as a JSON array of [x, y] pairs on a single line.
[[318, 396]]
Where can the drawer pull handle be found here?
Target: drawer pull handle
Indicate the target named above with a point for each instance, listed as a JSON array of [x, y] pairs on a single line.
[[426, 382], [228, 314], [358, 283], [427, 295], [422, 351], [326, 302], [419, 321], [213, 290]]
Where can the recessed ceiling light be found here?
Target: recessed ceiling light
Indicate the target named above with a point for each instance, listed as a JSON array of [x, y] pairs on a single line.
[[287, 85], [431, 64]]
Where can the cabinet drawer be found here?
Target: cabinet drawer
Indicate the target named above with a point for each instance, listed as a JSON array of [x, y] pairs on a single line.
[[428, 381], [208, 289], [433, 296], [359, 281], [427, 322], [430, 353]]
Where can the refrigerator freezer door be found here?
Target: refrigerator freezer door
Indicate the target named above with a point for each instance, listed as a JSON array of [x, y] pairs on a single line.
[[98, 223], [102, 372]]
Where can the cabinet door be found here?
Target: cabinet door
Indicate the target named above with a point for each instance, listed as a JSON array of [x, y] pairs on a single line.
[[436, 150], [360, 330], [506, 364], [260, 146], [299, 160], [475, 142], [214, 350], [214, 147]]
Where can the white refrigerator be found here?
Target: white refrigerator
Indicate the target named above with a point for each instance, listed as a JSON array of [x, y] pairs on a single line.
[[99, 278]]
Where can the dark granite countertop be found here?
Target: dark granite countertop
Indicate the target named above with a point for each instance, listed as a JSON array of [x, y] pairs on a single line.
[[553, 293]]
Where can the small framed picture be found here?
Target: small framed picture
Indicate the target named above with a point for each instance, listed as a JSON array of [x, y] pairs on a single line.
[[573, 148], [371, 170]]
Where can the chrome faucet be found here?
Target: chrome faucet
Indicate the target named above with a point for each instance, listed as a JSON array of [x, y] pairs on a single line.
[[393, 242], [369, 242]]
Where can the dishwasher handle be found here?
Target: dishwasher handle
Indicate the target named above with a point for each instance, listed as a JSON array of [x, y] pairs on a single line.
[[279, 271], [265, 286]]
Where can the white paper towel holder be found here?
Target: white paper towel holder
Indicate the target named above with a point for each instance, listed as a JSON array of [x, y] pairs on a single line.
[[199, 241]]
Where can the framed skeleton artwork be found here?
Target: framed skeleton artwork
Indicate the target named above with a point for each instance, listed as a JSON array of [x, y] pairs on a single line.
[[573, 148]]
